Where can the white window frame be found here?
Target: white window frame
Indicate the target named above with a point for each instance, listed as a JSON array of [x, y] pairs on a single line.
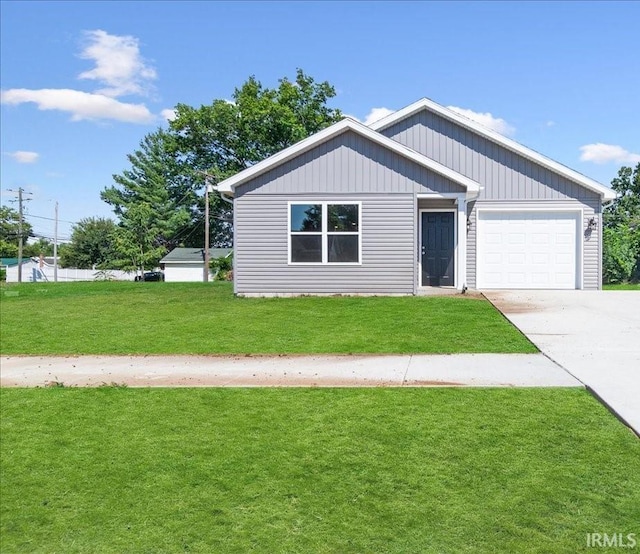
[[324, 233]]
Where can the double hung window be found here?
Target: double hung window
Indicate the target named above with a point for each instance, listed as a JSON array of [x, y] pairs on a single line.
[[324, 232]]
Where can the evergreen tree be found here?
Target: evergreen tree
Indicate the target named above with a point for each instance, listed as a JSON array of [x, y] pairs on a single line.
[[149, 214]]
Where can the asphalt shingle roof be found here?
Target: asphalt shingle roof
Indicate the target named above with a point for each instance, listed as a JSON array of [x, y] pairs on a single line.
[[193, 254]]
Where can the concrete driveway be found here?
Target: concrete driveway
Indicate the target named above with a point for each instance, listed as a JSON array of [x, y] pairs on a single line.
[[594, 335]]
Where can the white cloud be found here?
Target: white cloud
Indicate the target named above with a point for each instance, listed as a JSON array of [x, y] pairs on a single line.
[[119, 64], [169, 114], [376, 114], [81, 105], [550, 123], [600, 153], [24, 157], [487, 119]]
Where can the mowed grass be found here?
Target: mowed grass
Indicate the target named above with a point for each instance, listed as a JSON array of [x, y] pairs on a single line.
[[622, 286], [312, 470], [200, 318]]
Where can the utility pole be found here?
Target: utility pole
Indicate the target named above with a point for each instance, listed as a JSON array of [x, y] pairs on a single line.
[[205, 269], [55, 247], [20, 192]]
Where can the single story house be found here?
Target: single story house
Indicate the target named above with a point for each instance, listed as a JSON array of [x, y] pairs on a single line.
[[187, 264], [423, 198]]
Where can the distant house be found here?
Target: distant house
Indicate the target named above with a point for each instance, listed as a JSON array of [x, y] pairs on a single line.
[[186, 264], [422, 198], [33, 269]]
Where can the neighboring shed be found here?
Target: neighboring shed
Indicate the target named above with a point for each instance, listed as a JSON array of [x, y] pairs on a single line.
[[186, 264], [423, 198]]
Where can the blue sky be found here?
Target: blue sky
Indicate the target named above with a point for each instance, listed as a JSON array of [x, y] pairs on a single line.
[[83, 82]]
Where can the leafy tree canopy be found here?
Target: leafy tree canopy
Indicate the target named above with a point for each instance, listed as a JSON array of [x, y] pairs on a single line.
[[91, 244], [167, 172], [228, 136], [9, 232], [621, 254], [625, 209]]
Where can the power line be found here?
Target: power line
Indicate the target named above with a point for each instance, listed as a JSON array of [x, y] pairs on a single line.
[[52, 219]]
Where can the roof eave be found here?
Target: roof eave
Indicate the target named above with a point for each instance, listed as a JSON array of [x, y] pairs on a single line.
[[228, 185], [425, 103]]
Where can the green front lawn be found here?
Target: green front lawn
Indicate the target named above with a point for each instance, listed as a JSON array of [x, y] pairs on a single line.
[[622, 286], [312, 470], [199, 318]]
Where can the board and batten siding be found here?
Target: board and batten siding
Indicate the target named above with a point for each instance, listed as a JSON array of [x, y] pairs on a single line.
[[508, 180], [504, 174], [348, 164]]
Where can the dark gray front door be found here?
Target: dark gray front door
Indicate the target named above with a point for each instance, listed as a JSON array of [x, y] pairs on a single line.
[[437, 249]]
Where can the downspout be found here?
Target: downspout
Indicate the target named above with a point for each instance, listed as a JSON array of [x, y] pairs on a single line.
[[225, 198]]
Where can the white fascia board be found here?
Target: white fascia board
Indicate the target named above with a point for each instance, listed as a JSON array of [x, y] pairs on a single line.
[[228, 185], [606, 193]]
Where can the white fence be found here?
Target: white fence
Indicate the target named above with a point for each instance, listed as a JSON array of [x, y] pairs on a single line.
[[34, 271]]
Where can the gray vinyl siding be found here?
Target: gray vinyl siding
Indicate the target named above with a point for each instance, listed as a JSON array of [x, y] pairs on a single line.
[[505, 175], [388, 248], [508, 180], [348, 163], [347, 167]]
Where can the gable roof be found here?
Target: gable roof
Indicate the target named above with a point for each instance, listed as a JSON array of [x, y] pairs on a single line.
[[426, 104], [194, 255], [347, 124]]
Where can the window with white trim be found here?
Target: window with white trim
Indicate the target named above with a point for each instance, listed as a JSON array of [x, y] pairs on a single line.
[[324, 232]]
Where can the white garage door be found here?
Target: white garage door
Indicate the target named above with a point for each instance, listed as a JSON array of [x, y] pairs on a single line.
[[528, 250], [182, 273]]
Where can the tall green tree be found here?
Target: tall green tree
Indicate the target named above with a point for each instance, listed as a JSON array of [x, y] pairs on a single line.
[[9, 232], [144, 200], [135, 239], [621, 235], [41, 247], [91, 245], [227, 136], [168, 170]]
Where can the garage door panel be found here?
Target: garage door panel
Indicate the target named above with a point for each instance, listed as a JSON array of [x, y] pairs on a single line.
[[528, 249]]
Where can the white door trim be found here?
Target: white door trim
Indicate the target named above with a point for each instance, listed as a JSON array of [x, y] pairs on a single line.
[[456, 249]]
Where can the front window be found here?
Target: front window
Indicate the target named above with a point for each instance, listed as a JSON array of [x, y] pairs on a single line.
[[324, 232]]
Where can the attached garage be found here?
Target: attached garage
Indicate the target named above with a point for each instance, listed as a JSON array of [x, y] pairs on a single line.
[[443, 202], [529, 249]]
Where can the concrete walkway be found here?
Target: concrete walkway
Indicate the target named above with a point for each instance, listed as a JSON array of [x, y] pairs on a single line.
[[595, 335], [480, 370]]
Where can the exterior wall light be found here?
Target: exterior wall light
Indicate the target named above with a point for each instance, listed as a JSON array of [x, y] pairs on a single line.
[[593, 224]]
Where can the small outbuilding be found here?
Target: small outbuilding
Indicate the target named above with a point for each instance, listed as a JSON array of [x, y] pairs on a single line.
[[186, 264]]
